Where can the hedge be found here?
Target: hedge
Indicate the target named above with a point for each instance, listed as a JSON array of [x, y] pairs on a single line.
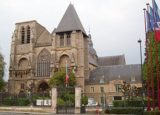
[[132, 103], [15, 102], [152, 113], [134, 110]]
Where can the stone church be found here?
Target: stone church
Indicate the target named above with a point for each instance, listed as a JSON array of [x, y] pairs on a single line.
[[36, 54]]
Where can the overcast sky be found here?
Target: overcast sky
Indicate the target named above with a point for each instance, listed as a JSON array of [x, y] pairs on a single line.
[[115, 25]]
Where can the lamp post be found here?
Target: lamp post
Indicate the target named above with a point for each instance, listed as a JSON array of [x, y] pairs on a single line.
[[142, 90]]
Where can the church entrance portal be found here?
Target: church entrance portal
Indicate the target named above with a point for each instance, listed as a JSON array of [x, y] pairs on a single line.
[[43, 87]]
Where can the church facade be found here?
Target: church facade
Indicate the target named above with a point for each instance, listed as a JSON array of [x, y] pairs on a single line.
[[36, 54]]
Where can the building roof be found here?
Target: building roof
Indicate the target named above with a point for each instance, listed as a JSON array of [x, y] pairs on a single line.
[[70, 21], [111, 60], [121, 72]]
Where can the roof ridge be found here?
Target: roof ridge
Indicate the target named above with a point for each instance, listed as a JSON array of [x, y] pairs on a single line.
[[70, 21]]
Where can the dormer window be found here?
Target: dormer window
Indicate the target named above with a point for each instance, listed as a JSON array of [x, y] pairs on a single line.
[[133, 79], [28, 34], [101, 79], [22, 35]]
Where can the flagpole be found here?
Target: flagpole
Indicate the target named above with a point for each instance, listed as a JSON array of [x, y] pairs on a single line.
[[147, 62], [157, 62], [66, 74], [149, 65], [152, 67]]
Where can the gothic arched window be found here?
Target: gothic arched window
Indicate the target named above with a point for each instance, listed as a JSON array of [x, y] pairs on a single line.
[[28, 34], [43, 64], [22, 35], [64, 60], [23, 64]]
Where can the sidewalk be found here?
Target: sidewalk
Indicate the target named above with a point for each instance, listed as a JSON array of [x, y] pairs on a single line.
[[28, 109]]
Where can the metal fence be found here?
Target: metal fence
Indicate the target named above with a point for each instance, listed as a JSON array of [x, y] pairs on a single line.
[[22, 99]]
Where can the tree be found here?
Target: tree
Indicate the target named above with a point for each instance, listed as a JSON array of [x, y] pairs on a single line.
[[84, 100], [129, 92], [2, 65], [59, 77], [66, 97]]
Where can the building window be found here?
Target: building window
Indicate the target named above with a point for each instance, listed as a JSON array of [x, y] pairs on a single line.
[[102, 100], [22, 85], [28, 34], [92, 89], [118, 87], [133, 79], [43, 64], [117, 98], [61, 40], [102, 89], [68, 39], [101, 79], [22, 35]]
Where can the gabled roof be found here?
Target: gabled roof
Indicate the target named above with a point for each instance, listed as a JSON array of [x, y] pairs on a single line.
[[111, 60], [70, 21], [121, 72]]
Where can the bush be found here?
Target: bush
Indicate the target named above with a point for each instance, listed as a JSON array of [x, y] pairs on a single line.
[[84, 100], [9, 101], [60, 102], [128, 103], [152, 113], [134, 110], [22, 102]]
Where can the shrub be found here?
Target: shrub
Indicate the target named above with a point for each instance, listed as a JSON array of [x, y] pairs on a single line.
[[134, 110], [22, 102], [84, 100], [9, 101], [128, 103], [60, 102], [152, 113]]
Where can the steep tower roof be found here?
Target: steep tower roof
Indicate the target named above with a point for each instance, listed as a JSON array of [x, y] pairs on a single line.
[[70, 21]]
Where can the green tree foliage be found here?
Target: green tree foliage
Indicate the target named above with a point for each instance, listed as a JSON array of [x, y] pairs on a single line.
[[84, 100], [129, 92], [2, 65], [59, 79]]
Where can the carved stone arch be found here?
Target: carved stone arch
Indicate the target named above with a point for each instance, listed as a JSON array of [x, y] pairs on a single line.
[[23, 63], [64, 59], [43, 63], [44, 55], [42, 86]]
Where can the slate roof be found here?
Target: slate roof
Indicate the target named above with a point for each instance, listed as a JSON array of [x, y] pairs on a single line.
[[70, 21], [121, 72], [111, 60]]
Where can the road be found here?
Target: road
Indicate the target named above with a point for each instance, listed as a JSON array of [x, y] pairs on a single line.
[[23, 113]]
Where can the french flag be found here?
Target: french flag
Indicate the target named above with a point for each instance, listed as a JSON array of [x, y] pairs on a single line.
[[67, 76], [156, 12]]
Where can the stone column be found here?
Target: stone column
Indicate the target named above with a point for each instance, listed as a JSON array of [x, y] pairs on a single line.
[[77, 100], [54, 99]]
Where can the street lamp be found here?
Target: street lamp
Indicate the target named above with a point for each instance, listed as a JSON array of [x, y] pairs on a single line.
[[142, 91], [139, 41]]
